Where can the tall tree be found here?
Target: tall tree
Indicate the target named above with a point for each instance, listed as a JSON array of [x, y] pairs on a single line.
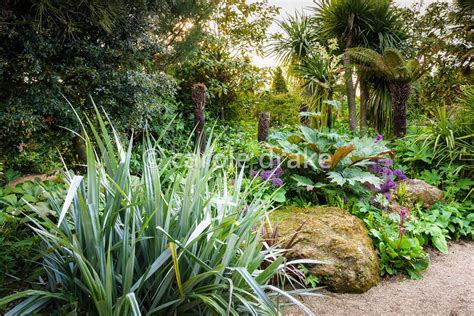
[[279, 82], [400, 73], [367, 23], [110, 50], [221, 60], [442, 36], [314, 66]]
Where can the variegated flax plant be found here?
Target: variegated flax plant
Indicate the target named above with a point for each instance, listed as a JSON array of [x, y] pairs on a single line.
[[175, 240]]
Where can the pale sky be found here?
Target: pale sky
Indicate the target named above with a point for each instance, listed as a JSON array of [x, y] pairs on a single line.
[[288, 7]]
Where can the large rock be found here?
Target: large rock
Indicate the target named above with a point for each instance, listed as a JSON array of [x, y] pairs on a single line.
[[336, 236], [419, 190]]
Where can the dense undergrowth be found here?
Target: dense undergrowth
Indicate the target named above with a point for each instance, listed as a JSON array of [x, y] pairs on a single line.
[[133, 220]]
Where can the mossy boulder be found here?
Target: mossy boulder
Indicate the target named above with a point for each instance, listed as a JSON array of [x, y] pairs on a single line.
[[336, 236]]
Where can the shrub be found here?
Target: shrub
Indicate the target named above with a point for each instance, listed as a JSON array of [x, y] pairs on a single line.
[[399, 250], [177, 239], [443, 222], [43, 60], [283, 108], [17, 240], [448, 137]]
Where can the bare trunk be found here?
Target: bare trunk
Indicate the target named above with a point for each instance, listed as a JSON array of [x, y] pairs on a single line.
[[400, 93], [364, 97], [350, 92], [263, 126], [199, 100]]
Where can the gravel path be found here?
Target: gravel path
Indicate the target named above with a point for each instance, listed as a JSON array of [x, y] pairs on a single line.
[[447, 288]]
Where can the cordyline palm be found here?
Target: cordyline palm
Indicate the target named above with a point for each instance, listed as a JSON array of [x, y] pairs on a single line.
[[297, 42], [319, 79], [367, 23], [296, 49], [390, 66]]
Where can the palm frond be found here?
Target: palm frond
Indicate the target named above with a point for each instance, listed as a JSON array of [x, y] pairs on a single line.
[[297, 40]]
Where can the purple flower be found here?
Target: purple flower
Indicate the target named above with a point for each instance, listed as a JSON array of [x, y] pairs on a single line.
[[403, 214], [388, 185], [387, 162], [254, 173], [401, 231], [375, 168], [388, 196], [267, 174], [378, 138], [276, 162], [400, 175], [277, 182], [278, 172], [386, 172]]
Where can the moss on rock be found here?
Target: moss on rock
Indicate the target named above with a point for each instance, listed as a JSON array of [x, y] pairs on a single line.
[[336, 236]]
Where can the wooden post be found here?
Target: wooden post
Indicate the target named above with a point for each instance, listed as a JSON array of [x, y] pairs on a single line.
[[304, 119], [263, 126], [199, 99]]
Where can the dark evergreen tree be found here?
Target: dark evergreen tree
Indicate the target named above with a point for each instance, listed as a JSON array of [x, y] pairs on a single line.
[[279, 82]]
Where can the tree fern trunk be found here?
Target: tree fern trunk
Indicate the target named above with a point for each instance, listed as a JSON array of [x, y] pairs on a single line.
[[364, 97], [263, 126], [199, 100], [400, 93]]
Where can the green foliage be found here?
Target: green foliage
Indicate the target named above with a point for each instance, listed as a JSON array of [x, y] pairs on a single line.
[[52, 51], [279, 82], [229, 79], [310, 279], [449, 137], [389, 65], [328, 162], [379, 107], [315, 68], [242, 25], [239, 139], [283, 108], [370, 23], [264, 190], [297, 40], [442, 222], [439, 35], [17, 243], [403, 252], [390, 73], [398, 253], [176, 239]]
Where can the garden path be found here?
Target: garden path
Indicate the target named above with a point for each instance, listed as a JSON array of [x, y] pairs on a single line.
[[447, 288]]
